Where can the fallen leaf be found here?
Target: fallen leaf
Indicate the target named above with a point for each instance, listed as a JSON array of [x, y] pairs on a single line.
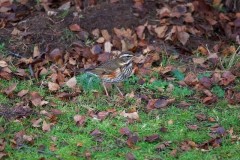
[[125, 131], [132, 140], [161, 31], [210, 100], [108, 47], [22, 93], [163, 146], [36, 51], [56, 55], [201, 117], [72, 82], [46, 127], [100, 40], [36, 123], [161, 103], [2, 145], [227, 78], [130, 156], [5, 75], [75, 27], [53, 86], [3, 154], [102, 115], [3, 64], [106, 35], [163, 129], [199, 60], [183, 37], [191, 79], [206, 82], [192, 127], [53, 147], [87, 155], [133, 115], [170, 122], [9, 91], [152, 138], [80, 120], [174, 153]]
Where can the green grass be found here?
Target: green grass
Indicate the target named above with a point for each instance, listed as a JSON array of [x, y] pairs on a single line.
[[113, 143]]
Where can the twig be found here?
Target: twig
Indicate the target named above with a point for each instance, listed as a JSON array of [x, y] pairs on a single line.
[[17, 55]]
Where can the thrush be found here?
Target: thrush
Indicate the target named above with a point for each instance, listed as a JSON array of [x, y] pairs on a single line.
[[115, 70]]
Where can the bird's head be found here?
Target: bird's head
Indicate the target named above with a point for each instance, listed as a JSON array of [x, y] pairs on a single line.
[[125, 58]]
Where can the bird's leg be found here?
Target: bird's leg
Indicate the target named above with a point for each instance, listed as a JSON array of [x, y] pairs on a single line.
[[119, 90], [105, 89]]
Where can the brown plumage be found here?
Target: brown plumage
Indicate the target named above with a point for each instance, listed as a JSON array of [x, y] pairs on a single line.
[[115, 70]]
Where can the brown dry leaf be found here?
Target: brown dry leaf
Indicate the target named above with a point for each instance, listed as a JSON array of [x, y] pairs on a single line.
[[192, 127], [53, 86], [102, 115], [188, 18], [183, 37], [201, 117], [80, 120], [56, 55], [71, 83], [75, 27], [28, 138], [5, 75], [163, 145], [3, 154], [206, 82], [100, 40], [133, 115], [191, 79], [132, 140], [96, 32], [35, 98], [53, 147], [210, 100], [125, 131], [87, 155], [3, 64], [202, 50], [130, 156], [227, 78], [22, 93], [185, 146], [21, 72], [79, 144], [161, 103], [199, 60], [140, 29], [152, 138], [36, 123], [46, 127], [139, 59], [16, 32], [161, 31], [106, 35], [9, 91], [216, 2], [229, 51], [2, 145], [36, 51], [108, 47], [170, 122]]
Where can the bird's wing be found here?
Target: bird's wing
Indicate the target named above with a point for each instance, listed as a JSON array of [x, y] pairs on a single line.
[[106, 68]]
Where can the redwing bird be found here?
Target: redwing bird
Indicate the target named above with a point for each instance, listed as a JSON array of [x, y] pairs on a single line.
[[115, 70]]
